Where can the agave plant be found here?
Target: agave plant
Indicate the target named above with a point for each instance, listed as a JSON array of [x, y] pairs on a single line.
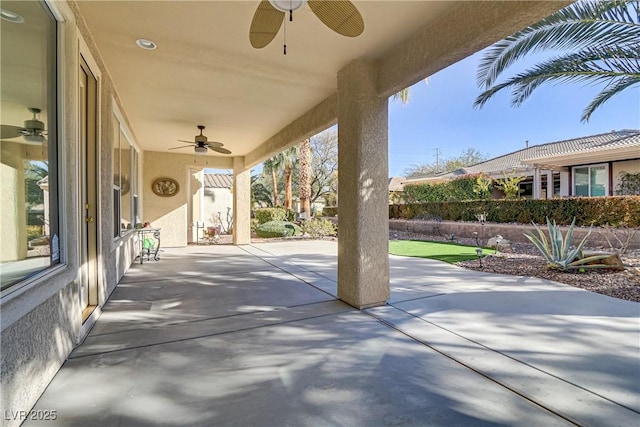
[[557, 250]]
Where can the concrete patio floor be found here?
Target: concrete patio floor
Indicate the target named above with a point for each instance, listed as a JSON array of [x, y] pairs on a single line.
[[254, 336]]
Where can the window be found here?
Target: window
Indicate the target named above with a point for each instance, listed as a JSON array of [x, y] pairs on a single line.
[[125, 181], [29, 147], [591, 181]]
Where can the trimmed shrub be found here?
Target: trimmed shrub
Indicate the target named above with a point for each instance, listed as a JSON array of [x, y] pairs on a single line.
[[330, 211], [588, 211], [278, 229], [274, 214], [316, 227]]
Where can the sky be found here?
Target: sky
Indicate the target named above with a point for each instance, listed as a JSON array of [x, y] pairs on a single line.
[[440, 115]]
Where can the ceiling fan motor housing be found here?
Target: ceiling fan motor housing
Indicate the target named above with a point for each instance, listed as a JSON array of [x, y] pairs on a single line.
[[34, 126]]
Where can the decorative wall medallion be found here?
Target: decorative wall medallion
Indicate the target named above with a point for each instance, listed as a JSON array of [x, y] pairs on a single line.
[[165, 187]]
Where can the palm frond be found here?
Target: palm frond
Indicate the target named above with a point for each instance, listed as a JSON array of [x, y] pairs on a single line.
[[402, 96], [610, 90], [582, 24], [603, 64]]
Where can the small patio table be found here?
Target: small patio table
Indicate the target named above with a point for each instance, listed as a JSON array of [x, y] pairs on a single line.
[[150, 243]]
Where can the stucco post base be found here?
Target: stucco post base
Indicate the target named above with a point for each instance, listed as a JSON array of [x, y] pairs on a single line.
[[241, 202], [363, 213]]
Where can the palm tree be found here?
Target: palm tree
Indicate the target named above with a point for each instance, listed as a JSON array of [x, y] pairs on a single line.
[[304, 157], [601, 37], [272, 166], [288, 159], [260, 195]]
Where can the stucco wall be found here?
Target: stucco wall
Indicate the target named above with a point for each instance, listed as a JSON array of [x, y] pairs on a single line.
[[216, 200], [171, 213], [629, 166], [33, 350]]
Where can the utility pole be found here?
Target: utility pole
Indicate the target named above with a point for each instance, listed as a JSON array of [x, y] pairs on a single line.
[[437, 159]]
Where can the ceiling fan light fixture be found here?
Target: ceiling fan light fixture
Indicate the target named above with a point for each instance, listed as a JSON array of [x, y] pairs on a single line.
[[200, 150], [146, 44], [287, 5], [35, 139], [10, 16]]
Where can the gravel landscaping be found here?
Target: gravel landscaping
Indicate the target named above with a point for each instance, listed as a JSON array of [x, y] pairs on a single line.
[[524, 260]]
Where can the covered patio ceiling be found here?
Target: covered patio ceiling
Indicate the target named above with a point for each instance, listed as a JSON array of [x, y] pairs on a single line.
[[204, 70]]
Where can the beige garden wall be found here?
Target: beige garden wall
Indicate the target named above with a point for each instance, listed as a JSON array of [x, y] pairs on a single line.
[[599, 237], [173, 214]]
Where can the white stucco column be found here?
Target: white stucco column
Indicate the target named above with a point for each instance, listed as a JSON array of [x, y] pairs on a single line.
[[241, 202], [549, 184], [564, 183], [363, 212], [537, 184], [13, 218]]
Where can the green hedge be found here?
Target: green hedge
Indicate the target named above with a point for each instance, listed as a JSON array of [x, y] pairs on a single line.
[[587, 210], [278, 229], [330, 211], [456, 189], [274, 214]]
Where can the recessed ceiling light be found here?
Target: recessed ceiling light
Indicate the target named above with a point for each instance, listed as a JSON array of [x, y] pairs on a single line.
[[7, 15], [146, 44]]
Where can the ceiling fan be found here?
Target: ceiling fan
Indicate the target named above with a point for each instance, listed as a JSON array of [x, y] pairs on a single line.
[[33, 130], [339, 15], [201, 144]]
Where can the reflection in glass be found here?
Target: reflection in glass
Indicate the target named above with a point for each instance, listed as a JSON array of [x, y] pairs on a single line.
[[28, 162]]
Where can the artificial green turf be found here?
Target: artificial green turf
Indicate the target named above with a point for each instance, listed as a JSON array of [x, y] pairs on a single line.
[[447, 252]]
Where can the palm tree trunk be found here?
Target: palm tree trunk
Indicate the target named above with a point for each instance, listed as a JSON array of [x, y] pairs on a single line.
[[274, 181], [305, 177], [288, 196]]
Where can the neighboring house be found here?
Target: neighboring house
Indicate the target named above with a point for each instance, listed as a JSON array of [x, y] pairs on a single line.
[[217, 200], [588, 166], [396, 188]]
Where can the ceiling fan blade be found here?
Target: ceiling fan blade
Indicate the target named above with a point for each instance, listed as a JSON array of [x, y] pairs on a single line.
[[220, 150], [182, 146], [214, 144], [339, 15], [10, 131], [38, 140], [188, 142], [265, 24]]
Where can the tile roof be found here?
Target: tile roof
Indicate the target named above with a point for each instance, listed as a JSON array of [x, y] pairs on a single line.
[[606, 141], [395, 183], [569, 146], [218, 180]]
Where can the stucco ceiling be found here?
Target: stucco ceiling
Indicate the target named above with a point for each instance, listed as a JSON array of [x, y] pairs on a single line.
[[205, 71]]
